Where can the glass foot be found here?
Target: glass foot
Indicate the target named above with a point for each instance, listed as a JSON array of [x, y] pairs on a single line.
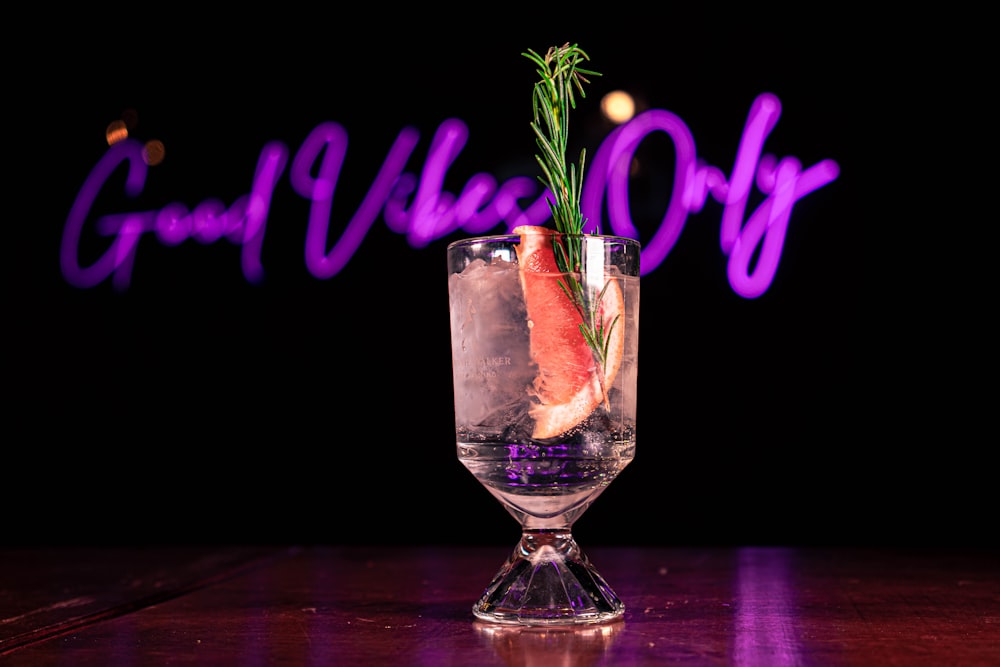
[[548, 580]]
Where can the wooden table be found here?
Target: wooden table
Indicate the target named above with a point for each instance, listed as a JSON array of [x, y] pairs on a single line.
[[380, 605]]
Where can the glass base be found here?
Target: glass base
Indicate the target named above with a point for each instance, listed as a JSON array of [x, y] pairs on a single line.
[[548, 581]]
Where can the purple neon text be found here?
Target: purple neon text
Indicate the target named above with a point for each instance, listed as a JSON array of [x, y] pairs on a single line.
[[419, 206]]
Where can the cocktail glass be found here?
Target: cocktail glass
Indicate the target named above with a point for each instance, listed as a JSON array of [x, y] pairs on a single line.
[[544, 419]]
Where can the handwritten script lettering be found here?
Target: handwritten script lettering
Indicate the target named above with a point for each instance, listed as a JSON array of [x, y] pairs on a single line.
[[418, 206]]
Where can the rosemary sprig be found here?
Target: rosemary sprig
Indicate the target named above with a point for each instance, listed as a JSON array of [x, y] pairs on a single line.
[[553, 98]]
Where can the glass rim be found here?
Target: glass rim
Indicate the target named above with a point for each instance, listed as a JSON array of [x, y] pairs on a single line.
[[516, 238]]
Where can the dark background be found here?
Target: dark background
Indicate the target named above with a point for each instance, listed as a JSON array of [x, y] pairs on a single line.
[[197, 407]]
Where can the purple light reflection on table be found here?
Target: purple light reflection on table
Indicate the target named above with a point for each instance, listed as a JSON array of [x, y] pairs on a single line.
[[765, 613]]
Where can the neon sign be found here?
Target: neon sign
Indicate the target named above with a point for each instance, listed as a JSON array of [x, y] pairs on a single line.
[[419, 206]]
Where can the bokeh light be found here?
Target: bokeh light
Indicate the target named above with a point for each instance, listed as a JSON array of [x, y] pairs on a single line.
[[618, 107], [153, 152], [116, 132]]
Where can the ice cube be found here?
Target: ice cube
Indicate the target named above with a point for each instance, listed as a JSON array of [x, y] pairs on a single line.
[[490, 352]]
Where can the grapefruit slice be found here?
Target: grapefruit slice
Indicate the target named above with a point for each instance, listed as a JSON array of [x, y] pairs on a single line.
[[569, 383]]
